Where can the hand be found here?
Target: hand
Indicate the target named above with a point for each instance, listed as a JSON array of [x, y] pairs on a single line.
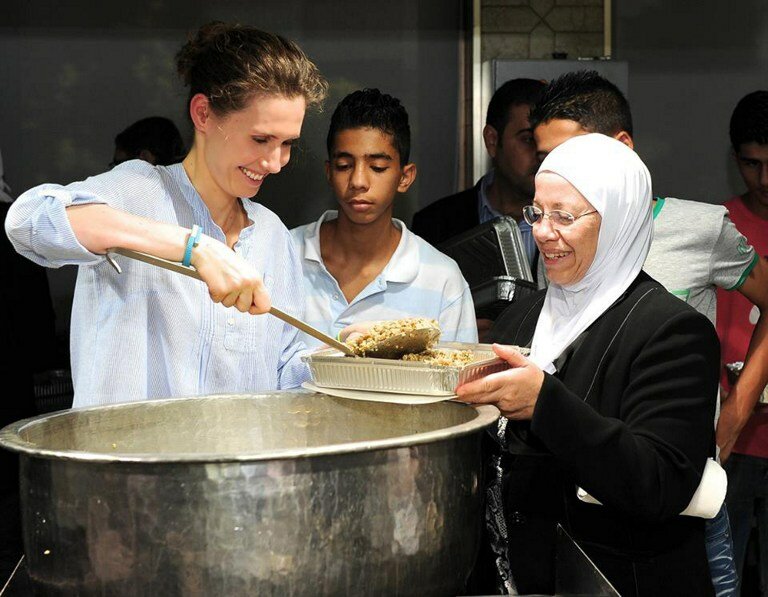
[[361, 328], [231, 280], [729, 424], [514, 391]]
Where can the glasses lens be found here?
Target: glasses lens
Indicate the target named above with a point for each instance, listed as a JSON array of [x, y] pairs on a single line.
[[561, 218], [531, 214]]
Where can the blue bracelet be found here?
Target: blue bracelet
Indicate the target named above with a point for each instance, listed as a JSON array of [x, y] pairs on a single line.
[[192, 242]]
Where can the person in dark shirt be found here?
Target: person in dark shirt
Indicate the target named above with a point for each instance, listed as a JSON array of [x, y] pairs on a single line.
[[154, 139], [508, 186], [606, 427], [742, 430], [689, 257]]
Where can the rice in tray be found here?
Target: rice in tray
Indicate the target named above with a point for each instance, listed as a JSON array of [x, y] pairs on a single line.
[[442, 357], [386, 329], [410, 376]]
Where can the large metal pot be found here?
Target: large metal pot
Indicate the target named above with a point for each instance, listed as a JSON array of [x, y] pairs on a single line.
[[284, 493]]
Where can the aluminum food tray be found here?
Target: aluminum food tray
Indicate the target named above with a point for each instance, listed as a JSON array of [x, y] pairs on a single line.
[[330, 369]]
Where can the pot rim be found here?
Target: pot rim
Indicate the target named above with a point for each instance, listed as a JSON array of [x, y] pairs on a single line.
[[10, 438]]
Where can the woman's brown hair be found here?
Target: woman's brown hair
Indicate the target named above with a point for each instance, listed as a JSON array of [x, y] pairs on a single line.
[[230, 64]]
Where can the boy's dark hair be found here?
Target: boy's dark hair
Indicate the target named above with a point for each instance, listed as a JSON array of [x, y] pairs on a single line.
[[515, 92], [370, 108], [587, 98], [156, 134], [749, 121]]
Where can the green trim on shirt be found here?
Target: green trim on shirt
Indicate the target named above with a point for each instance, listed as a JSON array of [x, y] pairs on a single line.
[[681, 294], [746, 273], [658, 206]]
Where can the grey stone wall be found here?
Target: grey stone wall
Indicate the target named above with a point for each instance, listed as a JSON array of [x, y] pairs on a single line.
[[535, 29]]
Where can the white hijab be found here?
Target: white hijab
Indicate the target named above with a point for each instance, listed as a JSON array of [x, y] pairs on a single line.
[[615, 181]]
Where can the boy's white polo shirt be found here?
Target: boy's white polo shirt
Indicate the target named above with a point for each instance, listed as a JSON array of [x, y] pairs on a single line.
[[418, 281]]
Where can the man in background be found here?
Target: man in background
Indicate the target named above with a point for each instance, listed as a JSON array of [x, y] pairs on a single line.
[[742, 431], [508, 186], [154, 139]]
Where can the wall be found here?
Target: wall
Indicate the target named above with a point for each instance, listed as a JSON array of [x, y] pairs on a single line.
[[76, 72], [689, 63], [535, 29]]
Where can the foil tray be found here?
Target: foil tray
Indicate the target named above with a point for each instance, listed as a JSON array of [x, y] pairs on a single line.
[[330, 369]]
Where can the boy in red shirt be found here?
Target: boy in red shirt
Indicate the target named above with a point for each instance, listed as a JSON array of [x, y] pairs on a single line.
[[742, 430]]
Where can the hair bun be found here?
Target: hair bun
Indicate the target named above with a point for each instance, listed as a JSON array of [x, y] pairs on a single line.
[[197, 43], [231, 63]]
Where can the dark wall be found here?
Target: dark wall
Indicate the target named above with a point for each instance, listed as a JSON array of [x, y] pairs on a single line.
[[689, 63]]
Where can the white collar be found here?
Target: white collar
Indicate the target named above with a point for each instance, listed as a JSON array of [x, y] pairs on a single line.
[[403, 266]]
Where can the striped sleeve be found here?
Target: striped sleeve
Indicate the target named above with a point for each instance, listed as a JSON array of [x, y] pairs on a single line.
[[38, 227]]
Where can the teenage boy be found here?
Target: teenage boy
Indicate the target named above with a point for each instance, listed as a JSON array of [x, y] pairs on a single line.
[[508, 186], [361, 264], [696, 248], [743, 426]]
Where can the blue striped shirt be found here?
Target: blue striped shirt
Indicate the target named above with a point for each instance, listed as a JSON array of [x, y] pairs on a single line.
[[418, 281], [150, 333], [487, 213]]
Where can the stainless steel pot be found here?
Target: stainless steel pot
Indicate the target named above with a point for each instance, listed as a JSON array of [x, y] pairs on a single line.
[[284, 493]]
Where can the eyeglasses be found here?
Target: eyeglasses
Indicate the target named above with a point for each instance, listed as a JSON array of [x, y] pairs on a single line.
[[558, 218]]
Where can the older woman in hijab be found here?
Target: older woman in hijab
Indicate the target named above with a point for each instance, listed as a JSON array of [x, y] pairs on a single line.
[[607, 426]]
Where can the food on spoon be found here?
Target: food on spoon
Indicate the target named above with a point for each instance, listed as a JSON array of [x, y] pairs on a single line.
[[385, 330], [442, 357]]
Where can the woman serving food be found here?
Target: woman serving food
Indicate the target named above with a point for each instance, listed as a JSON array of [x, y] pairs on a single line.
[[608, 423], [148, 333]]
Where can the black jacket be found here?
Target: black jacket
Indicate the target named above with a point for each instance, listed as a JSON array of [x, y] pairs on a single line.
[[629, 418], [447, 217]]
